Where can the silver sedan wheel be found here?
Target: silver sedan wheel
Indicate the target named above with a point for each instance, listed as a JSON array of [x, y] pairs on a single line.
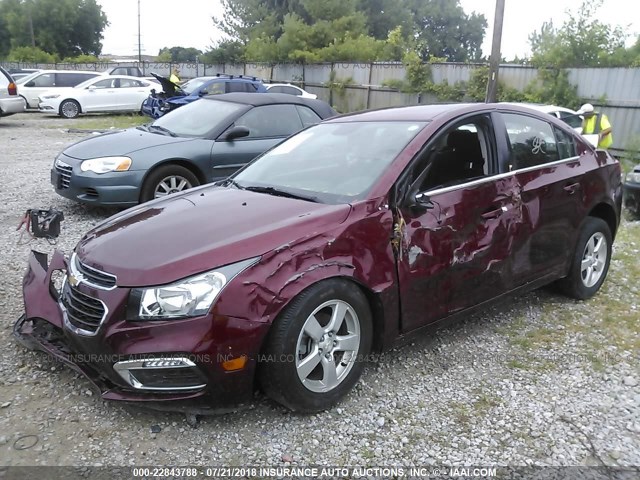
[[594, 259], [70, 109], [328, 346], [171, 184]]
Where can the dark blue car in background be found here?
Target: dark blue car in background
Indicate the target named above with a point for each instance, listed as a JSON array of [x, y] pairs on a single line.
[[174, 96]]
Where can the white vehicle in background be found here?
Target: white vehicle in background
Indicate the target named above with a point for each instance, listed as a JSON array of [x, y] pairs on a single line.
[[288, 89], [34, 85], [113, 93], [568, 116]]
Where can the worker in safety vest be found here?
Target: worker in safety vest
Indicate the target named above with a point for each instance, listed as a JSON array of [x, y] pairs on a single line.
[[596, 123], [174, 78]]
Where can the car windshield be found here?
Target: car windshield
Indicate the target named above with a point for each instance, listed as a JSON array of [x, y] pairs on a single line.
[[333, 162], [198, 118], [22, 80], [90, 82], [192, 85]]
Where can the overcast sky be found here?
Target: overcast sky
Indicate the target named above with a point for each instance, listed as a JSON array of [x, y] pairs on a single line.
[[187, 23]]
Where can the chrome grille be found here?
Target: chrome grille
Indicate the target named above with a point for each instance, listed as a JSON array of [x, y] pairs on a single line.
[[82, 311], [92, 276], [65, 171]]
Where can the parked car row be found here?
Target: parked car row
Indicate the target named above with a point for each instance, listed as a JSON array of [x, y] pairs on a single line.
[[350, 236]]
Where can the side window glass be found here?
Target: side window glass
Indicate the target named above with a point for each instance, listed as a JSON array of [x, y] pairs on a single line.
[[566, 144], [532, 141], [307, 116], [276, 89], [108, 83], [214, 88], [237, 87], [45, 80], [128, 83], [290, 91], [574, 121], [459, 155], [271, 121]]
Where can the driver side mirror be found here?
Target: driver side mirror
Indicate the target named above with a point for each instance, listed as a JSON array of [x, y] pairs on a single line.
[[236, 132], [420, 201], [203, 93], [30, 84], [91, 87]]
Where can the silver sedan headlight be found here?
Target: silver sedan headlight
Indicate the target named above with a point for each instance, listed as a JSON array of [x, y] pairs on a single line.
[[106, 164], [633, 177], [190, 297]]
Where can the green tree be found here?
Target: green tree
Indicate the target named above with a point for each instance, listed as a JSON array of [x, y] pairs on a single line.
[[581, 41], [178, 54], [227, 51], [61, 27], [443, 29], [31, 55], [384, 16], [5, 38]]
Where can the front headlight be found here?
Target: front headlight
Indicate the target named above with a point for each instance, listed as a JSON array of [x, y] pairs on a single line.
[[191, 297], [47, 97], [106, 164], [633, 177]]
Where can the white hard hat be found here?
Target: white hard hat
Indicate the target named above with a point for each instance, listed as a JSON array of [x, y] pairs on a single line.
[[586, 108]]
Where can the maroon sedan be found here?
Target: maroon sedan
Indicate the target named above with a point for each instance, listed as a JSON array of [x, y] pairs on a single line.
[[344, 240]]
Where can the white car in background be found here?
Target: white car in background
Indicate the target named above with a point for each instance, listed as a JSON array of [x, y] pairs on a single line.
[[35, 84], [289, 89], [568, 116], [113, 93]]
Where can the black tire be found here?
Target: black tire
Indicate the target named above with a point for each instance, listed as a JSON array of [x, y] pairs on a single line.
[[161, 174], [575, 285], [277, 370], [69, 109]]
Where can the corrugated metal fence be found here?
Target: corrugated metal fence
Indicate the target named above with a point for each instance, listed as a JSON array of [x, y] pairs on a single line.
[[359, 86]]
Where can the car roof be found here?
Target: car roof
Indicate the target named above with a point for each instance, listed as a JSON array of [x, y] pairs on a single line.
[[540, 107], [258, 99], [280, 85], [68, 71]]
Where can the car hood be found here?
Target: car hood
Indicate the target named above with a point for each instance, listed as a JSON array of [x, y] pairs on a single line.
[[119, 142], [185, 234]]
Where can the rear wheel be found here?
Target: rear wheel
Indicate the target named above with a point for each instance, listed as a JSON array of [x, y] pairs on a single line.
[[167, 180], [317, 347], [591, 260], [69, 109]]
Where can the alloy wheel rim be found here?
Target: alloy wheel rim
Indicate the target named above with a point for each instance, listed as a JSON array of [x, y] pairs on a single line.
[[327, 346], [171, 184], [594, 260], [69, 109]]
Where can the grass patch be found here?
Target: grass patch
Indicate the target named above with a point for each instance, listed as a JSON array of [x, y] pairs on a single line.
[[106, 122]]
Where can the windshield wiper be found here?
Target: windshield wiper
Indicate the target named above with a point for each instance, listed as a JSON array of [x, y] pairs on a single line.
[[231, 181], [162, 129], [281, 193], [144, 128]]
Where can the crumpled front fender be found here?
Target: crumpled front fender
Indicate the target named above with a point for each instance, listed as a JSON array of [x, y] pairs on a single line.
[[39, 300]]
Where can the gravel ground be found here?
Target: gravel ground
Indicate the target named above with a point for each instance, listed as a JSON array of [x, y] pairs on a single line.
[[542, 380]]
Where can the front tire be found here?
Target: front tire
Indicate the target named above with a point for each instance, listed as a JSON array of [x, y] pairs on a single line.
[[166, 180], [316, 349], [69, 109], [590, 262]]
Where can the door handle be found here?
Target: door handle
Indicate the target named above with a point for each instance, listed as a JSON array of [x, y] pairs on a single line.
[[572, 188], [491, 214]]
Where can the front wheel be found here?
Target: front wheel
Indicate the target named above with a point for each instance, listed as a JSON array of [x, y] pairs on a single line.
[[167, 180], [591, 260], [69, 109], [317, 347]]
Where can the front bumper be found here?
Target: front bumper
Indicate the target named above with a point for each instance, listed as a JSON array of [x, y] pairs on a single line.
[[116, 188], [207, 341], [632, 198]]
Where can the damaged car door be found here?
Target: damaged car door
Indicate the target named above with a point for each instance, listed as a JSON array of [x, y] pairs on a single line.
[[455, 228]]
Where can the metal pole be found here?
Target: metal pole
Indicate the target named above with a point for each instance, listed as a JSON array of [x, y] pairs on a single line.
[[494, 62], [139, 44]]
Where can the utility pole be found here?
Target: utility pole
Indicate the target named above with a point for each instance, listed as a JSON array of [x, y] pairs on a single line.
[[494, 61], [139, 44]]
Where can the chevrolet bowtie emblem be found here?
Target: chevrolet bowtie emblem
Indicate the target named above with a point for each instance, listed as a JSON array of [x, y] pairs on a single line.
[[73, 280]]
